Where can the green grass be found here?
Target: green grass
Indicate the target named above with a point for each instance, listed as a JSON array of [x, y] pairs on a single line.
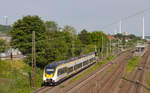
[[132, 64], [93, 68], [148, 79], [16, 79], [148, 82], [120, 86], [62, 86]]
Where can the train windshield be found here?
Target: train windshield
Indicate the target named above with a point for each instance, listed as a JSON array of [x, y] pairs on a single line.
[[49, 70]]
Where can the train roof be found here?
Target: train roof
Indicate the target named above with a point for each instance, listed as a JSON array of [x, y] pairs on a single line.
[[55, 64]]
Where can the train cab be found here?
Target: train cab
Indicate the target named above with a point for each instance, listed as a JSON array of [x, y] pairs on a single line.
[[49, 73]]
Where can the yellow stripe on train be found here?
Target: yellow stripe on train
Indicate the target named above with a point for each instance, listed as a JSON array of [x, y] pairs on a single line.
[[48, 76]]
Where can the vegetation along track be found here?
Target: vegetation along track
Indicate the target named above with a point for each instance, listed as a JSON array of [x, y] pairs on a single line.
[[134, 82]]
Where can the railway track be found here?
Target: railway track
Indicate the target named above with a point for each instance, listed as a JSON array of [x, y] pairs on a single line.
[[114, 76], [141, 73], [93, 77], [83, 83], [133, 83], [43, 89]]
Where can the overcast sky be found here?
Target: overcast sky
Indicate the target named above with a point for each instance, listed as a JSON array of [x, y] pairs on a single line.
[[81, 14]]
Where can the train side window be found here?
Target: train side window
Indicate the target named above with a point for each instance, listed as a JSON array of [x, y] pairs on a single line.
[[70, 69], [76, 67], [64, 70], [85, 63], [61, 71], [80, 65]]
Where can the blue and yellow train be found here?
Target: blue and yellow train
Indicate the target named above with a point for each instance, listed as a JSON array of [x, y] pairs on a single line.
[[58, 71]]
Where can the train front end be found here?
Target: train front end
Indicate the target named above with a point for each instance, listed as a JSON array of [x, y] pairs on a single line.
[[48, 75]]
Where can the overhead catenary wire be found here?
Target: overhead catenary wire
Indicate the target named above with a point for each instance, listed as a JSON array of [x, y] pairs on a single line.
[[125, 18]]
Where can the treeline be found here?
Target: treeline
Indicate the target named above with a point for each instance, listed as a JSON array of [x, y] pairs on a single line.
[[4, 29], [52, 42], [132, 39]]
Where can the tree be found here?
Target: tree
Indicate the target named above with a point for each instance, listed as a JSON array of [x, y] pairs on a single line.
[[3, 45], [52, 44], [22, 37], [95, 38], [69, 29], [22, 33], [51, 25], [84, 37]]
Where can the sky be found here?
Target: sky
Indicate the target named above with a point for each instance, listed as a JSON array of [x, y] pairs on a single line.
[[81, 14]]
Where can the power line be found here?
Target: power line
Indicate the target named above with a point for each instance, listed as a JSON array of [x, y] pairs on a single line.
[[126, 18]]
